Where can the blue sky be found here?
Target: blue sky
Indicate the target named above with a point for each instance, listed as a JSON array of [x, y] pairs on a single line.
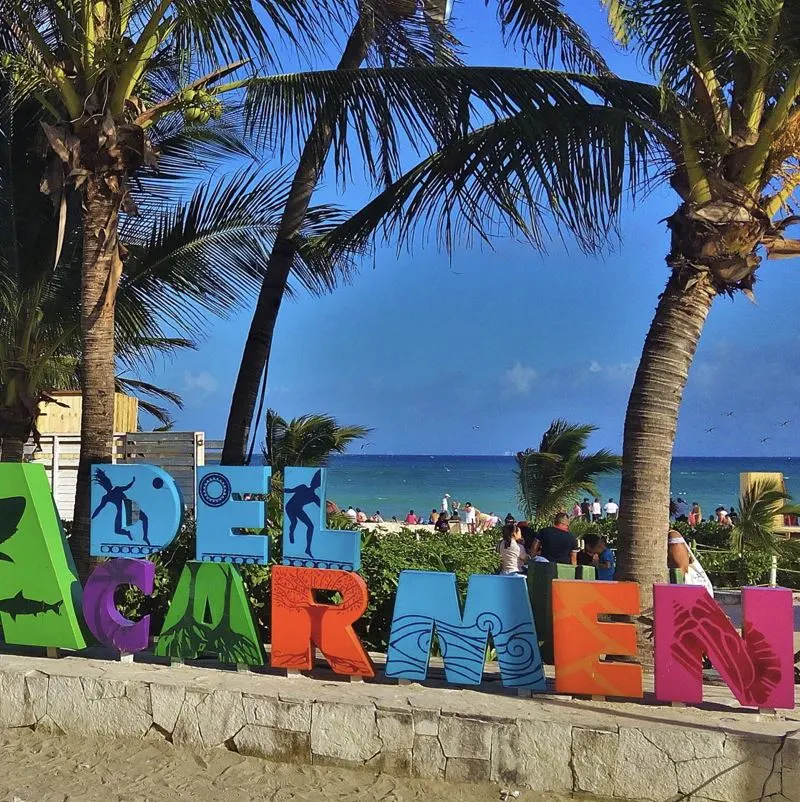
[[423, 347]]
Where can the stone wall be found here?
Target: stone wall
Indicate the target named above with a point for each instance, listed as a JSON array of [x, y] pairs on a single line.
[[547, 743]]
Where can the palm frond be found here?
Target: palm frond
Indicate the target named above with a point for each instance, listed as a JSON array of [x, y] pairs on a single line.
[[257, 29], [544, 29], [376, 111], [760, 506], [207, 254], [569, 164], [308, 440], [551, 478]]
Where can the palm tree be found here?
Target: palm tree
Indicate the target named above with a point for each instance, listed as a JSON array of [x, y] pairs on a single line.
[[719, 123], [109, 76], [186, 258], [412, 95], [307, 441], [551, 478], [761, 504]]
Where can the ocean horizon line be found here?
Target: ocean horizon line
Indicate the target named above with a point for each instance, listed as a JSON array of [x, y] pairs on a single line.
[[510, 455]]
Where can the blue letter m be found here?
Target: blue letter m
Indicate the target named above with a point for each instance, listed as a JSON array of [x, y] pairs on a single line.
[[496, 606]]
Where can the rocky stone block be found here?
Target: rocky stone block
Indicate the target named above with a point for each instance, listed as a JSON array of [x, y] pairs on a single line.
[[46, 725], [344, 732], [465, 738], [680, 744], [534, 754], [139, 694], [220, 716], [16, 706], [467, 770], [594, 755], [270, 712], [749, 769], [397, 763], [166, 701], [187, 727], [426, 722], [36, 692], [642, 770], [790, 776], [102, 716], [396, 730], [428, 760], [285, 746], [101, 688]]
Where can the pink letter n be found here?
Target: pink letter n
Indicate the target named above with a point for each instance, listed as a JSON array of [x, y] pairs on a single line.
[[758, 667]]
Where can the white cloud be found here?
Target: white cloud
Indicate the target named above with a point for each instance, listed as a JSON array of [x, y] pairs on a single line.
[[202, 383], [613, 370], [521, 377]]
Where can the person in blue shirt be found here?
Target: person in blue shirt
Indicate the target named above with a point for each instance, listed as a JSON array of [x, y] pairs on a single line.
[[602, 557]]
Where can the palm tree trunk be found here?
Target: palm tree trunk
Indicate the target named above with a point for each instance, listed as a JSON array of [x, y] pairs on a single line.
[[100, 278], [12, 447], [650, 425], [255, 358]]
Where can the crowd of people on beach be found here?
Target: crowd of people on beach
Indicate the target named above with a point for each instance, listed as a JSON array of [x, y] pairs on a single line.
[[679, 510], [522, 544], [593, 511], [448, 516]]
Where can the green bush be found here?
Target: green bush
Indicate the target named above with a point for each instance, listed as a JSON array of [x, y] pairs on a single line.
[[726, 569], [707, 533], [789, 573]]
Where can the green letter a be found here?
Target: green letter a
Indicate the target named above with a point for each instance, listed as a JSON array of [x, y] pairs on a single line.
[[39, 588], [210, 612]]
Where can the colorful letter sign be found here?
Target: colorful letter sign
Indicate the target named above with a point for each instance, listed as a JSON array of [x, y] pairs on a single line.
[[39, 589], [758, 667], [317, 598], [306, 540], [136, 510], [579, 640], [222, 511], [103, 618], [210, 613], [299, 622], [496, 606]]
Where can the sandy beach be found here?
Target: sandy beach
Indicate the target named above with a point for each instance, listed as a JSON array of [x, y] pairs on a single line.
[[52, 768]]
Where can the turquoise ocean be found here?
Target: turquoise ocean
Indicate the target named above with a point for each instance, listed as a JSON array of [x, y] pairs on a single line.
[[396, 484]]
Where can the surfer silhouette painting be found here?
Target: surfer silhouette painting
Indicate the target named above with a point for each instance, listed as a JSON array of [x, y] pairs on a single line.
[[302, 496], [116, 495]]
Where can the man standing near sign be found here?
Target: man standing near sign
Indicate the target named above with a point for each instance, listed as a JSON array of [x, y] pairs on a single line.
[[558, 543]]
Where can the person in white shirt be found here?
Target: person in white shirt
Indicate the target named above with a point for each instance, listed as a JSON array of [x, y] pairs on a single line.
[[351, 514], [471, 517], [596, 511], [612, 509], [445, 505], [512, 551]]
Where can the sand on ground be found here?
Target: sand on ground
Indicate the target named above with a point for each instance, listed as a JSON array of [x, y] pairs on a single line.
[[51, 768]]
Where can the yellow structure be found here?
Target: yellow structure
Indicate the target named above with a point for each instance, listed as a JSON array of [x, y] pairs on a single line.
[[746, 480], [64, 417]]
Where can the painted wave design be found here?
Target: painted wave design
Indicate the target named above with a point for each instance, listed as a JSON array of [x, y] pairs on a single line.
[[463, 648]]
